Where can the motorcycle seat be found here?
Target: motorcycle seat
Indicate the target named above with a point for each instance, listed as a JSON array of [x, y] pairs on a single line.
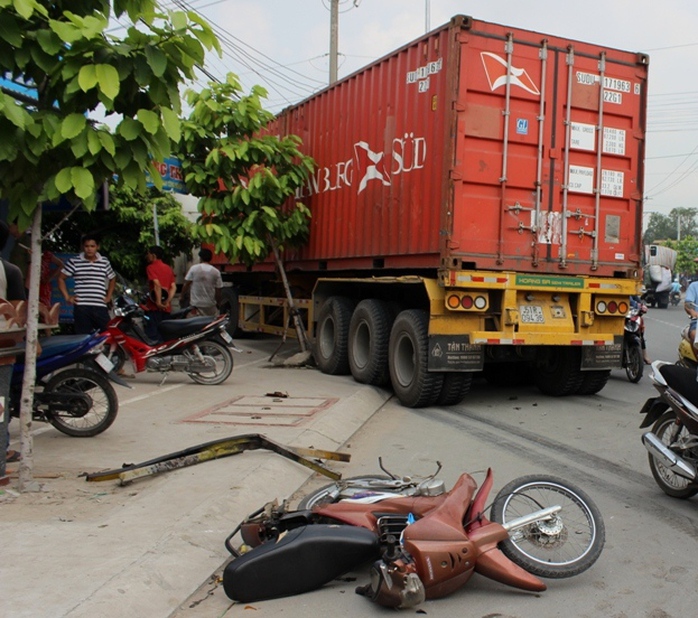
[[682, 380], [174, 329], [55, 345]]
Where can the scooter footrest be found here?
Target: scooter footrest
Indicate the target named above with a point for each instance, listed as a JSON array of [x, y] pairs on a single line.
[[302, 560]]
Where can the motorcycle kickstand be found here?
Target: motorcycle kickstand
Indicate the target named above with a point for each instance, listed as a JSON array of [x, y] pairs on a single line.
[[164, 377]]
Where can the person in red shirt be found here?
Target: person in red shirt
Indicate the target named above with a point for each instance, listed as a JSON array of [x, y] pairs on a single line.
[[162, 285]]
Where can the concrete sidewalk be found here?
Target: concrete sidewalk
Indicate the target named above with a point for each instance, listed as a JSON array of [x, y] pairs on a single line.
[[79, 549]]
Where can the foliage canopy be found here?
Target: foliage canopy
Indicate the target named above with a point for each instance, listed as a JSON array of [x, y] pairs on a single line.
[[243, 174], [61, 49]]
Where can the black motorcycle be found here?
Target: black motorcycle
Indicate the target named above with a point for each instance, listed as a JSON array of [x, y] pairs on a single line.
[[633, 357], [73, 392], [673, 441]]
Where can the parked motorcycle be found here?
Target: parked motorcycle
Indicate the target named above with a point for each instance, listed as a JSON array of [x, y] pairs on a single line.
[[199, 346], [426, 542], [73, 392], [633, 358], [672, 443]]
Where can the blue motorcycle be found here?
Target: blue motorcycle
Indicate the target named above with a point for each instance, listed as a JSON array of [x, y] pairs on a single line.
[[73, 392]]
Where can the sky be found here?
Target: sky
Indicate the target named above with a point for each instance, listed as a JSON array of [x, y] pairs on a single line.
[[284, 46]]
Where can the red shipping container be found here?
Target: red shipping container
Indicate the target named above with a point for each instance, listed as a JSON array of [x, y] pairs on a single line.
[[478, 146]]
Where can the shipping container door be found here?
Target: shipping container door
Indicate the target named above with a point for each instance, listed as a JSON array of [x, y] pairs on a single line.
[[548, 158]]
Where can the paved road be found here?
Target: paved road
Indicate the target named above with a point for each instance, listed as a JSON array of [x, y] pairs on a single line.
[[650, 561]]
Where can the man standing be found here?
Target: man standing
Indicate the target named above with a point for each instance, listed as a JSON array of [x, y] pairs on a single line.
[[162, 284], [94, 285], [204, 283]]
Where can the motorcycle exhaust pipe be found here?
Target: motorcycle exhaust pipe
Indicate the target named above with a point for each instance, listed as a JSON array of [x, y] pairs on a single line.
[[667, 457]]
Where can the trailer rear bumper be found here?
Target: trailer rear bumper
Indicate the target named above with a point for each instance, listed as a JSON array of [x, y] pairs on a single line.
[[469, 353]]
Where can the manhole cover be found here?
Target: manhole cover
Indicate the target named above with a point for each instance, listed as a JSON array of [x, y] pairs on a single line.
[[268, 411]]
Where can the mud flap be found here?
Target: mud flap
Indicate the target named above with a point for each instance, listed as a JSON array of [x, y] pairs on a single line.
[[608, 356], [302, 560]]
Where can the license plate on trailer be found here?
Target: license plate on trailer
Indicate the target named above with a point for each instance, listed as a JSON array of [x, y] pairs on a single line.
[[104, 362], [531, 314], [226, 337]]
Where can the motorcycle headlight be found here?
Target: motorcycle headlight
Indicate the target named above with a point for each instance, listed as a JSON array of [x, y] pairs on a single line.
[[632, 326]]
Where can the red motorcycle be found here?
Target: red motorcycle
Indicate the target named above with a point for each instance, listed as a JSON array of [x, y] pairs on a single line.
[[426, 542], [199, 346]]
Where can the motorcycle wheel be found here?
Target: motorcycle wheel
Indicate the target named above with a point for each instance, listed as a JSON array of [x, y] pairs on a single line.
[[670, 483], [564, 546], [104, 402], [324, 494], [634, 363], [223, 363]]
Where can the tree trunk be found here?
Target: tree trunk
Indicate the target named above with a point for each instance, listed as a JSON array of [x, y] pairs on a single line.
[[26, 466], [298, 323]]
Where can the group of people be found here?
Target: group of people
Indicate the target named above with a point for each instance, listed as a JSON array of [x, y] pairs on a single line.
[[95, 280]]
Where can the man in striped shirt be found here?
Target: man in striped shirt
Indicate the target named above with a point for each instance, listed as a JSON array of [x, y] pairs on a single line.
[[94, 285]]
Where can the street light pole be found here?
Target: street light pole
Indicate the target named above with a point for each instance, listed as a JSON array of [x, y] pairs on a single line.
[[334, 36]]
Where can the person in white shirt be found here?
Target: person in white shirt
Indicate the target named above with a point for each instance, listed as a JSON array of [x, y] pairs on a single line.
[[203, 283]]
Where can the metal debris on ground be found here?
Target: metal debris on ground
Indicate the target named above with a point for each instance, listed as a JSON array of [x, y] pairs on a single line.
[[217, 449]]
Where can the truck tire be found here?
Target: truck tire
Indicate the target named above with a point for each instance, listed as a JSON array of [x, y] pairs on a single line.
[[557, 371], [414, 386], [230, 305], [369, 336], [455, 387], [593, 381], [332, 335]]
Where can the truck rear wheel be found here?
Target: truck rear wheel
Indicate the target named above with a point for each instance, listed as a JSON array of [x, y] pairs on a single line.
[[455, 387], [557, 371], [331, 339], [369, 336], [414, 386], [231, 306], [593, 381]]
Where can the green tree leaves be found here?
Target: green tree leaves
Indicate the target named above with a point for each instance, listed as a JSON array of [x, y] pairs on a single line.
[[246, 177], [54, 147]]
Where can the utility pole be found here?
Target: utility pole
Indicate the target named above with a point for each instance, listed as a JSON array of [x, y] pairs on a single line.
[[427, 20], [334, 36]]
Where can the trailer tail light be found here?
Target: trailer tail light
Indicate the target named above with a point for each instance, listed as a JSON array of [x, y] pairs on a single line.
[[611, 307], [467, 301]]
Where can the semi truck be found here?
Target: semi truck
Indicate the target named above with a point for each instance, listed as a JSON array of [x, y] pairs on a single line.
[[476, 210]]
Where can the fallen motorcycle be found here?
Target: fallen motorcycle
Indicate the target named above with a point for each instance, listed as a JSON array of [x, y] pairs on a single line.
[[73, 392], [199, 346], [672, 443], [425, 542]]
